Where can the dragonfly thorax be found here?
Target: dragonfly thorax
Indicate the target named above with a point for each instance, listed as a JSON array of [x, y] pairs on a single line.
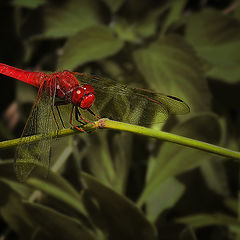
[[83, 96]]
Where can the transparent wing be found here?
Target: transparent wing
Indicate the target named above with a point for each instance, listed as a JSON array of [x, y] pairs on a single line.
[[133, 105], [40, 121]]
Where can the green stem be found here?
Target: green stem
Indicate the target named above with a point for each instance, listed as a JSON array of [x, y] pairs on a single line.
[[170, 137], [109, 124], [55, 134]]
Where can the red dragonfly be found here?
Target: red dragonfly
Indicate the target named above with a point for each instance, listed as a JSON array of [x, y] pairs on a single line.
[[90, 96]]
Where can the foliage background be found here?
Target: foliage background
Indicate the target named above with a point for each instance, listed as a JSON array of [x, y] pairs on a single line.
[[142, 188]]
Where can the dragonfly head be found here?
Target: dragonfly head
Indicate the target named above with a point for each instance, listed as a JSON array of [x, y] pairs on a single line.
[[83, 96]]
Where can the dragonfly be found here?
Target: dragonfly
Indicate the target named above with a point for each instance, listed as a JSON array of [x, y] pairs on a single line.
[[90, 97]]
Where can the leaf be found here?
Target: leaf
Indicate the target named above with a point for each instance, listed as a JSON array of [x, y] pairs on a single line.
[[13, 212], [171, 66], [147, 26], [203, 220], [91, 44], [175, 12], [165, 196], [6, 170], [231, 204], [67, 19], [123, 147], [23, 190], [114, 5], [216, 38], [215, 177], [125, 31], [57, 225], [124, 219], [28, 3], [8, 178], [173, 160], [69, 199], [101, 166]]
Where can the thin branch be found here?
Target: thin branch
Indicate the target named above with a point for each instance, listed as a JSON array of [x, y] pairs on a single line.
[[169, 137], [35, 138], [114, 125]]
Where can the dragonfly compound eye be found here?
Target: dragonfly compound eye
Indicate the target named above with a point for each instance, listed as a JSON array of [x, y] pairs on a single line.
[[88, 97], [87, 101]]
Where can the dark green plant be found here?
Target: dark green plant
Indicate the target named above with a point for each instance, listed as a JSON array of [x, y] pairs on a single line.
[[140, 188]]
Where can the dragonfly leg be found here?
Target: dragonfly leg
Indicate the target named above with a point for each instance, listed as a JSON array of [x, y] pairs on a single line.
[[85, 120], [55, 119], [72, 123], [77, 115], [89, 110], [59, 115]]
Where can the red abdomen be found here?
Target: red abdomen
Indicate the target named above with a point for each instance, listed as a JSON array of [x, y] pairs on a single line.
[[33, 78]]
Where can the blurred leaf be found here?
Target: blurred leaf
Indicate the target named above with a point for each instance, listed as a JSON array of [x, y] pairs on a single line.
[[51, 182], [66, 19], [215, 177], [126, 31], [203, 220], [147, 26], [91, 44], [114, 5], [6, 170], [165, 196], [111, 68], [28, 3], [123, 147], [23, 190], [232, 204], [99, 159], [216, 37], [175, 12], [170, 66], [56, 192], [57, 225], [14, 213], [124, 219], [173, 160]]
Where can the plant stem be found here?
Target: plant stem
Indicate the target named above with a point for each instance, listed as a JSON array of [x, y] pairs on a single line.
[[35, 138], [114, 125], [170, 137]]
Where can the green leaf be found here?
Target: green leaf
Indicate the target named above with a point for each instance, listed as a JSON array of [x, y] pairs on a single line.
[[66, 19], [101, 166], [6, 170], [56, 224], [13, 212], [123, 147], [165, 196], [125, 31], [175, 12], [125, 220], [231, 204], [70, 199], [23, 190], [203, 220], [173, 160], [91, 44], [171, 66], [114, 5], [28, 3], [147, 26], [215, 176], [216, 37]]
